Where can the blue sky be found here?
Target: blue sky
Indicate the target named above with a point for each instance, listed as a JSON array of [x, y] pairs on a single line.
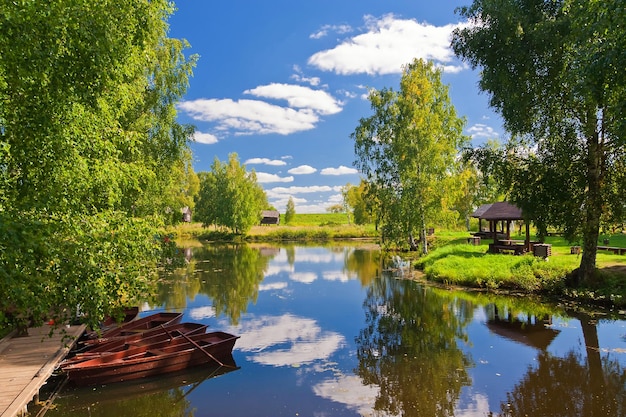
[[283, 83]]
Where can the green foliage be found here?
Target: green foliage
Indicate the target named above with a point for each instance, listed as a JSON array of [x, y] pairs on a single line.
[[290, 211], [407, 151], [89, 115], [568, 53], [52, 265], [92, 158], [230, 197], [355, 199]]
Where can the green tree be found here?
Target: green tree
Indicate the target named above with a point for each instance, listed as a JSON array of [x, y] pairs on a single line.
[[335, 208], [407, 149], [89, 146], [88, 116], [554, 71], [230, 196], [355, 200], [290, 211]]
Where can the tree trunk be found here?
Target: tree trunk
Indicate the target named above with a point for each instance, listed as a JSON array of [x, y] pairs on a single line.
[[424, 240], [593, 208]]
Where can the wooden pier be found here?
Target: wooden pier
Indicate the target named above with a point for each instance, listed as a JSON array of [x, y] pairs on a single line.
[[26, 363]]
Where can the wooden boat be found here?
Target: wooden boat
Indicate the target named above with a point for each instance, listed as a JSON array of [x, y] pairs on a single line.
[[136, 326], [129, 314], [110, 322], [152, 336], [153, 359]]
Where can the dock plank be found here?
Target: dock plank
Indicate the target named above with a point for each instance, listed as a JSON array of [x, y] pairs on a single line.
[[27, 362]]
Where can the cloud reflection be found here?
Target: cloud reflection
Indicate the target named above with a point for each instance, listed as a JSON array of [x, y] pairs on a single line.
[[287, 340], [304, 277], [349, 390], [200, 313], [273, 286]]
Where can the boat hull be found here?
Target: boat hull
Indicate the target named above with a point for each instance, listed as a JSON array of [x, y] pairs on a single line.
[[134, 327], [152, 360], [162, 334]]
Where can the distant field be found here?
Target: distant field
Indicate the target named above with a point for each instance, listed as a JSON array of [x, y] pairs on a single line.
[[316, 219]]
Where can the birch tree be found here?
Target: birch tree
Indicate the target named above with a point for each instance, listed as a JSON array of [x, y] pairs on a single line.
[[554, 71], [406, 150]]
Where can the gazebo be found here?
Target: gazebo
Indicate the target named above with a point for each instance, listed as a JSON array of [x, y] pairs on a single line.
[[502, 213]]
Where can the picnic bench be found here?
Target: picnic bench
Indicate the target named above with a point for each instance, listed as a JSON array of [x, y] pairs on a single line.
[[507, 246], [616, 250]]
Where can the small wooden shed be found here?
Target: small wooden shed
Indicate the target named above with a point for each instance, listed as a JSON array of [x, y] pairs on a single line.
[[186, 211], [270, 217]]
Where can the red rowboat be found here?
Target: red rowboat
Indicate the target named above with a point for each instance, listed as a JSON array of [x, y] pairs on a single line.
[[130, 314], [154, 359], [136, 326], [149, 337]]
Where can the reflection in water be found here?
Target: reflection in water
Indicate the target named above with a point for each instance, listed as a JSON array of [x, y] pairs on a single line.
[[229, 274], [287, 340], [325, 331], [408, 349], [567, 387], [164, 396], [531, 331]]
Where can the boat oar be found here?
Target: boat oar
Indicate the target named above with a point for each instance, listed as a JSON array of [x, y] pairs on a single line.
[[193, 342]]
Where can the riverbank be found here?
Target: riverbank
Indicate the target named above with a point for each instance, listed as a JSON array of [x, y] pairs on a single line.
[[454, 262]]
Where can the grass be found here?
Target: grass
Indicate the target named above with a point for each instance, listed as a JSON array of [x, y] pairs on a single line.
[[304, 227], [457, 263]]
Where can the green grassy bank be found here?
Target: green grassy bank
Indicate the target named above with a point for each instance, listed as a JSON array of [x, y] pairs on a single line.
[[454, 262]]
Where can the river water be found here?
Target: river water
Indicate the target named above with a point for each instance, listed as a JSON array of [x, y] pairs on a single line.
[[338, 331]]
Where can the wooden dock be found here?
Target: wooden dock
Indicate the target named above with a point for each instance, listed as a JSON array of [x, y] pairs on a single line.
[[26, 363]]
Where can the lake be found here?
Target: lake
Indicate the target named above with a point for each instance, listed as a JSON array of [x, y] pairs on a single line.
[[338, 331]]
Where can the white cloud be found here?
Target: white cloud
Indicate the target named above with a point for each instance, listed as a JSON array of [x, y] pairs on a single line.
[[302, 170], [278, 197], [299, 97], [265, 161], [335, 198], [299, 77], [482, 131], [206, 138], [264, 177], [281, 191], [388, 44], [246, 117], [342, 170], [326, 29]]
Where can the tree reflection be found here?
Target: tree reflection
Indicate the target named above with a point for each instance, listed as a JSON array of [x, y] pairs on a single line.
[[365, 263], [409, 348], [228, 274], [568, 387], [134, 400]]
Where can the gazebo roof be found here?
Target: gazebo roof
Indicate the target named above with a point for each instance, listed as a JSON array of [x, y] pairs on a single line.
[[498, 211]]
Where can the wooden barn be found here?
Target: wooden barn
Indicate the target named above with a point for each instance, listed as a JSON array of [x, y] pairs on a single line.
[[270, 217]]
